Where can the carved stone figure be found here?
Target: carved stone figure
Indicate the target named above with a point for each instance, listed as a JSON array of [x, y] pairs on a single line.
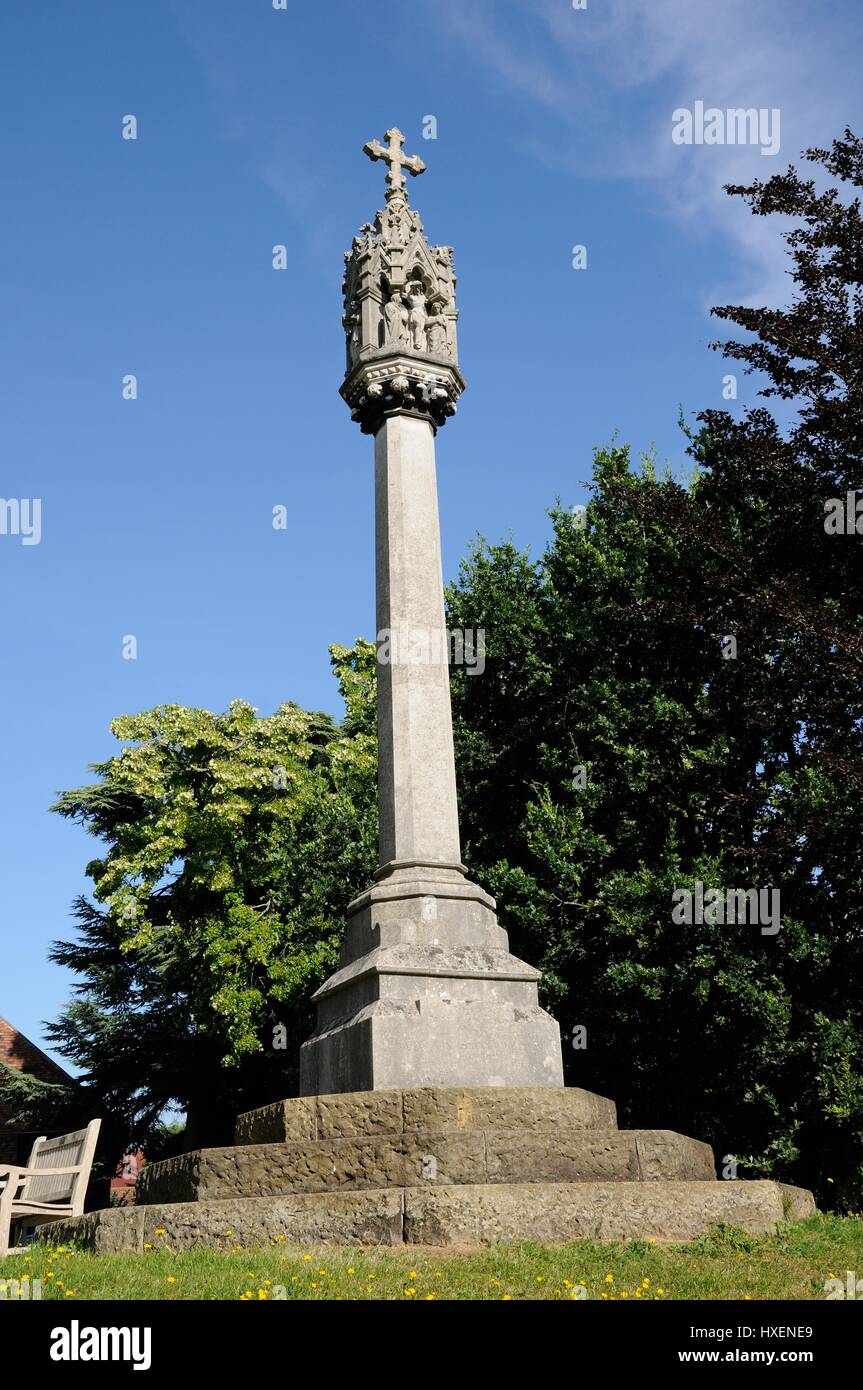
[[417, 316], [353, 320], [396, 321], [436, 333]]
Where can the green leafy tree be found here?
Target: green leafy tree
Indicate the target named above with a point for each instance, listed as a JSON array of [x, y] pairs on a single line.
[[233, 844], [29, 1103], [608, 654]]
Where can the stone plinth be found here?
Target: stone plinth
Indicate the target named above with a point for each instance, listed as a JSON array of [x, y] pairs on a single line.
[[426, 1160], [428, 994], [436, 1166], [430, 1108], [481, 1215]]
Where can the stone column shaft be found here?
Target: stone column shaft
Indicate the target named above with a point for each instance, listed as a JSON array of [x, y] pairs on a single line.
[[416, 765]]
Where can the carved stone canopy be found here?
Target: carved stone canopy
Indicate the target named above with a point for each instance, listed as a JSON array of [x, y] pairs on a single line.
[[399, 308]]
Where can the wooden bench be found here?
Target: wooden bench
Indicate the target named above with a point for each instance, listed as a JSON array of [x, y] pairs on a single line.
[[53, 1184]]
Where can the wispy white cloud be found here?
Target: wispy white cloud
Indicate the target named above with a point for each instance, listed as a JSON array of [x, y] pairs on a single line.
[[608, 79]]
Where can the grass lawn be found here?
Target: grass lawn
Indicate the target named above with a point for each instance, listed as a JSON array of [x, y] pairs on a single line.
[[725, 1264]]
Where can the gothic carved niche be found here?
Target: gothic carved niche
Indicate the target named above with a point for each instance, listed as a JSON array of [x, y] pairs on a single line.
[[399, 292], [396, 224]]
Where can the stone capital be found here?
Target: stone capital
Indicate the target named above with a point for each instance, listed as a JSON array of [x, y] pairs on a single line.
[[401, 383]]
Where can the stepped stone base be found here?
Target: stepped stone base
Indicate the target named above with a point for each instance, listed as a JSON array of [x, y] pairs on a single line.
[[425, 1160], [436, 1165], [454, 1215], [428, 1109]]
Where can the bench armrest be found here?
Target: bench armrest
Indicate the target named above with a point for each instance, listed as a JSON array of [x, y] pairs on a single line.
[[48, 1172], [10, 1179]]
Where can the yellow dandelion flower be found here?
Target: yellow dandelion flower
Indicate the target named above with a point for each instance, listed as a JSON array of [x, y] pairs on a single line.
[[507, 1298], [609, 1278], [171, 1279]]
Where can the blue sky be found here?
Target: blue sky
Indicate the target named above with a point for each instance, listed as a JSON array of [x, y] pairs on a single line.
[[153, 257]]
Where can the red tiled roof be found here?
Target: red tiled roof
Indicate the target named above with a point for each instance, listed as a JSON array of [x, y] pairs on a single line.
[[18, 1052]]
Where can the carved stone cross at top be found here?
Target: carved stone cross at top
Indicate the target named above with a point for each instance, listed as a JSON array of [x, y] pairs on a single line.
[[396, 159]]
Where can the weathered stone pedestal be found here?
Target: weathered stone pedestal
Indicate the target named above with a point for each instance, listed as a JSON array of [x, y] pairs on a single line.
[[428, 995], [436, 1166]]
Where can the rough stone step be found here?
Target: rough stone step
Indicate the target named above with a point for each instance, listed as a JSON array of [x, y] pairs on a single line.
[[598, 1211], [478, 1215], [421, 1160], [424, 1109]]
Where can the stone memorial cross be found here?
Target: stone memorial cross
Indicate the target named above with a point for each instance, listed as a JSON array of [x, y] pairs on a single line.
[[427, 992], [396, 159]]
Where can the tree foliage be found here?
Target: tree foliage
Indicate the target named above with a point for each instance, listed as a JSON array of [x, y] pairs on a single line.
[[745, 772], [233, 844]]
